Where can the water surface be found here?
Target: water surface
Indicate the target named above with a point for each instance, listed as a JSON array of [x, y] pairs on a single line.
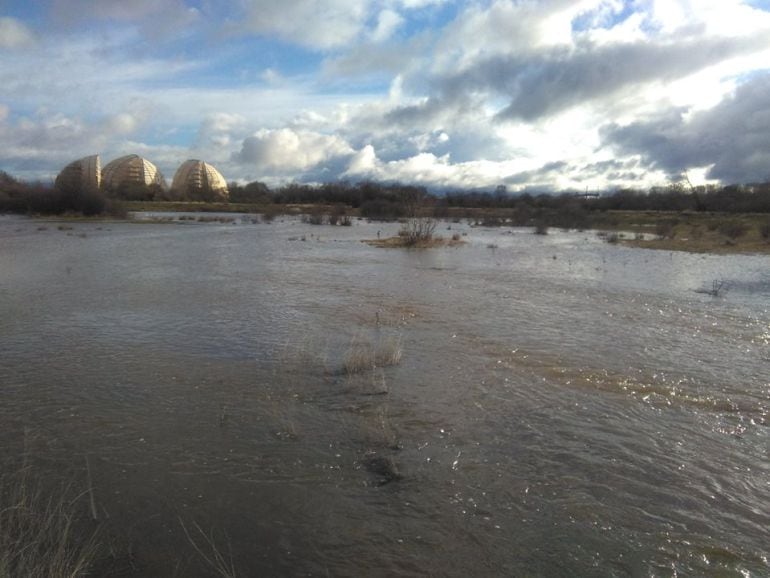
[[562, 406]]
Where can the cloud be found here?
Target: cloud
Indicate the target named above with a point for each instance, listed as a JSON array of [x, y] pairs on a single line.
[[424, 168], [218, 130], [393, 58], [505, 28], [387, 23], [551, 81], [706, 17], [733, 138], [363, 163], [43, 144], [14, 34], [284, 150], [156, 18], [121, 124], [316, 24], [327, 25], [533, 94]]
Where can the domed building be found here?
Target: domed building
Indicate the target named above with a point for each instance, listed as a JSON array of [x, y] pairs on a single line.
[[81, 175], [133, 177], [196, 180]]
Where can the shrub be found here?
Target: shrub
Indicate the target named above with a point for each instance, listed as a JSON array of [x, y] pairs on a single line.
[[418, 230], [90, 203], [733, 229], [541, 228], [313, 219], [382, 210], [489, 221], [116, 208], [665, 229]]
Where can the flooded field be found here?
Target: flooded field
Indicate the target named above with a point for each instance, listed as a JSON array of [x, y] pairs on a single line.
[[248, 398]]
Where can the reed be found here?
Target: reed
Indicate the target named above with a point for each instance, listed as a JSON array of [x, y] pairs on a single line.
[[206, 547], [40, 532], [363, 355]]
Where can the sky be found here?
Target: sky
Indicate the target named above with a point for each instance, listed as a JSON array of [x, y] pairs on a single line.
[[547, 95]]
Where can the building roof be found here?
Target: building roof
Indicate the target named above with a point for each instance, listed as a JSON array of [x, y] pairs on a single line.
[[131, 170], [85, 173], [198, 180]]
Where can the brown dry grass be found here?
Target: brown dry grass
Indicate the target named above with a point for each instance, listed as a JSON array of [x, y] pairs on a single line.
[[402, 242], [698, 238], [39, 532], [363, 355], [689, 231]]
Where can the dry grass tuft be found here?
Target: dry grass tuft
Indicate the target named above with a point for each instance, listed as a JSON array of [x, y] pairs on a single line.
[[363, 355], [359, 358], [306, 356], [405, 242], [388, 351], [39, 535]]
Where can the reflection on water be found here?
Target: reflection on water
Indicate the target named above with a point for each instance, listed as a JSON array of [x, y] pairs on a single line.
[[561, 406]]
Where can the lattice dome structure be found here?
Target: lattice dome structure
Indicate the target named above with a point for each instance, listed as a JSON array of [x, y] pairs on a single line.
[[199, 181], [131, 171], [80, 175]]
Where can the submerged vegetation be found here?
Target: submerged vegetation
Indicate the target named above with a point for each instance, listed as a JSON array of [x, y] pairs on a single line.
[[44, 532], [363, 355]]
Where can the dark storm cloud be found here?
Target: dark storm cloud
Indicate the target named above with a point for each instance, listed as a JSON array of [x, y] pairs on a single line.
[[550, 82], [734, 136], [538, 175], [424, 113], [612, 171]]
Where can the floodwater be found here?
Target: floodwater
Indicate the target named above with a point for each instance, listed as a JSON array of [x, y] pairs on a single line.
[[561, 406]]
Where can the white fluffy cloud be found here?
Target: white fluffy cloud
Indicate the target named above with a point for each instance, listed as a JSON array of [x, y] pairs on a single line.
[[427, 169], [387, 23], [285, 150]]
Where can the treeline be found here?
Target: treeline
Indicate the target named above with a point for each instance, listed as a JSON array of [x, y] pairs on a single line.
[[37, 198], [373, 200], [393, 200], [676, 197]]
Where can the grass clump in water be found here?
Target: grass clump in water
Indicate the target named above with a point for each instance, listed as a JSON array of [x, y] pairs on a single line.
[[541, 228], [40, 533], [363, 355]]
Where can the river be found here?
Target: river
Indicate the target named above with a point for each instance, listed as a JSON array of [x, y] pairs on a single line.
[[540, 405]]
